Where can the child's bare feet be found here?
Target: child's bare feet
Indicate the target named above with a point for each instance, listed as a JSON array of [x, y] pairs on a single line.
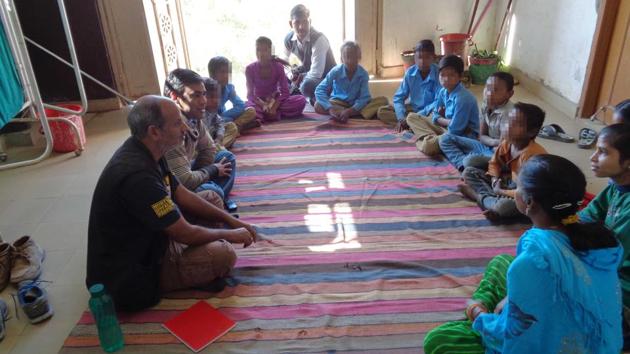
[[491, 215], [467, 191]]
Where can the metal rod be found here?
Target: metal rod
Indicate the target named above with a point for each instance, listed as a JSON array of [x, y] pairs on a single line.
[[75, 61], [507, 11], [472, 18], [124, 98], [18, 46], [483, 14], [20, 63]]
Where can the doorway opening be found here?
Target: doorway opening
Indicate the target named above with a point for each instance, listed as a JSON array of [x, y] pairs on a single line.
[[230, 27]]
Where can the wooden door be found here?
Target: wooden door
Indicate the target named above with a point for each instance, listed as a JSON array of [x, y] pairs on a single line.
[[615, 81]]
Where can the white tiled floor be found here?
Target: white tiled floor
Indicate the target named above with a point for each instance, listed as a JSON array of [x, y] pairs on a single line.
[[50, 201]]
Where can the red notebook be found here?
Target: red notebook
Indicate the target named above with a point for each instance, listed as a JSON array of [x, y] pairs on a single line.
[[199, 326]]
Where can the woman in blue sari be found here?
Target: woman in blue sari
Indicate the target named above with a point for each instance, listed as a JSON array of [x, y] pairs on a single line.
[[560, 293]]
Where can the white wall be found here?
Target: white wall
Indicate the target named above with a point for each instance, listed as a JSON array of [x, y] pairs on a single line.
[[405, 22], [552, 42], [551, 45]]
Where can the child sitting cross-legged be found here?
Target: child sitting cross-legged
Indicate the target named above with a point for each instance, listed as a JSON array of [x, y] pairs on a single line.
[[463, 151], [344, 92], [419, 86], [455, 110], [268, 86], [560, 294], [494, 190]]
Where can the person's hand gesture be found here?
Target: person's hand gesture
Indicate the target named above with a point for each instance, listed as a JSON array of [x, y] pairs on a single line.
[[224, 167], [272, 110], [345, 115], [474, 309], [241, 235], [252, 230], [261, 103], [335, 112]]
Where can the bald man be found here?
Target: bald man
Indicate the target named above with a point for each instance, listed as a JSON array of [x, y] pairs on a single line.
[[140, 245]]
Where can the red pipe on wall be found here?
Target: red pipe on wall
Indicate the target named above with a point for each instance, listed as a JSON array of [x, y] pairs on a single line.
[[483, 14]]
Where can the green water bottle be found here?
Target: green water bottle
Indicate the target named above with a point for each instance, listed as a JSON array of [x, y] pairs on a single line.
[[102, 308]]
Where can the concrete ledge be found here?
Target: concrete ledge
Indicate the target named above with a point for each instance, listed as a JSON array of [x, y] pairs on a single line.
[[102, 105], [550, 96], [384, 87]]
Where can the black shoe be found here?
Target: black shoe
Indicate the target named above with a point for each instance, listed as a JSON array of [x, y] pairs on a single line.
[[231, 206], [215, 286]]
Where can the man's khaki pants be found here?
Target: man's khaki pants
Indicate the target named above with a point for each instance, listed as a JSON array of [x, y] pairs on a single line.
[[194, 266]]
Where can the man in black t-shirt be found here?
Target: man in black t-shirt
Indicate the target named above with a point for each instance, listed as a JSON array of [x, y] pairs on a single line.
[[139, 243]]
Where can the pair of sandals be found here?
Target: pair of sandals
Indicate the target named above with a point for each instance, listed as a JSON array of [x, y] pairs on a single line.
[[587, 136]]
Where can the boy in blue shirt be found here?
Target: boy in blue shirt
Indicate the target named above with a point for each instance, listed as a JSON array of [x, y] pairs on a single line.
[[420, 85], [464, 152], [243, 117], [344, 92], [454, 110]]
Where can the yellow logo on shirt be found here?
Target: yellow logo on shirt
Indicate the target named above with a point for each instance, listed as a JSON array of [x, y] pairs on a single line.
[[163, 207], [167, 185]]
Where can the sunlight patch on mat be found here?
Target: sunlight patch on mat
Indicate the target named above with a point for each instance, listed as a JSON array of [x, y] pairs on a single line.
[[314, 189], [319, 218], [341, 213], [335, 181]]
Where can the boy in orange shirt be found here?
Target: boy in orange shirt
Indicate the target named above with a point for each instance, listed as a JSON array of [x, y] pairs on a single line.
[[494, 190]]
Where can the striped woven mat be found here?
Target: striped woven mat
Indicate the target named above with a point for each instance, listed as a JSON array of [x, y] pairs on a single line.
[[372, 246]]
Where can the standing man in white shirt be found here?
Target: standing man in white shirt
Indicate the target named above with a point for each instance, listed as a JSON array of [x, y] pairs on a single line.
[[311, 48]]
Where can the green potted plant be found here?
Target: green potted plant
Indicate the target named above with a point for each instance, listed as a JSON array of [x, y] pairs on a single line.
[[481, 64]]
